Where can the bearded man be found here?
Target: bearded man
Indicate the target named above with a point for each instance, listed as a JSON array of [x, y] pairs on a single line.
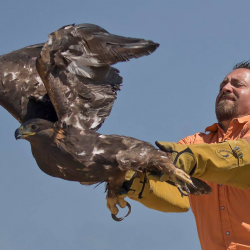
[[221, 157]]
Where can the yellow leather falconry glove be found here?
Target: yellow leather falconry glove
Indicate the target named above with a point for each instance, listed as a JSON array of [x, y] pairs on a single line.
[[153, 193], [223, 163]]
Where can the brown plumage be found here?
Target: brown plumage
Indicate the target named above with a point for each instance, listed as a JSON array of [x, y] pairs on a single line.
[[88, 157], [22, 92], [73, 94]]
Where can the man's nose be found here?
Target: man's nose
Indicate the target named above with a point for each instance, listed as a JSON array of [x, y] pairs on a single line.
[[227, 88]]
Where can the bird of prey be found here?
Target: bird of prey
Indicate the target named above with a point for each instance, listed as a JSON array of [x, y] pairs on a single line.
[[62, 91]]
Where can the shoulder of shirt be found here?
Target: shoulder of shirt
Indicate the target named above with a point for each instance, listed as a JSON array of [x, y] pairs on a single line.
[[202, 136], [193, 139], [245, 132]]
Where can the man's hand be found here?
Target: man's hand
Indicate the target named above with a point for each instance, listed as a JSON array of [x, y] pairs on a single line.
[[151, 190], [136, 185], [181, 156]]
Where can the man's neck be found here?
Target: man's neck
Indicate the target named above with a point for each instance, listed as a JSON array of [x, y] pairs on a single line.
[[225, 125]]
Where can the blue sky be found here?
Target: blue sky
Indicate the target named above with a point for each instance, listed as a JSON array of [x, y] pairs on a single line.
[[165, 96]]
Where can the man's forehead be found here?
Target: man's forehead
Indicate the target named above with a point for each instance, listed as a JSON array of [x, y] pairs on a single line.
[[239, 74]]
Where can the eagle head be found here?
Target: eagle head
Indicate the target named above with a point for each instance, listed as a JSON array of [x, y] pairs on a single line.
[[35, 128]]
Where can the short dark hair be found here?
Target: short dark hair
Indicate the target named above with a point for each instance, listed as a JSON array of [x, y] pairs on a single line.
[[243, 64]]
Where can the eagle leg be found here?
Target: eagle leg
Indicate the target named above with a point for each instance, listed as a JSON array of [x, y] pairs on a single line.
[[112, 203], [186, 193], [113, 186]]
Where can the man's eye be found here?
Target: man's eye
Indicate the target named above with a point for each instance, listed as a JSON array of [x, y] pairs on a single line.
[[237, 85], [33, 126]]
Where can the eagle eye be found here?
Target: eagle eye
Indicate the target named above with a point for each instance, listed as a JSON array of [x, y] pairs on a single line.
[[33, 126]]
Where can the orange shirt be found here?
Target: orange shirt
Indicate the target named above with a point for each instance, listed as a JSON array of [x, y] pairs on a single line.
[[223, 217]]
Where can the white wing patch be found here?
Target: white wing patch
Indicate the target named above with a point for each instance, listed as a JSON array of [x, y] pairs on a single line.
[[165, 157], [97, 151], [96, 122], [61, 169], [82, 153], [78, 124], [86, 105], [14, 75], [50, 41], [39, 79], [68, 27], [102, 136], [107, 167], [144, 153]]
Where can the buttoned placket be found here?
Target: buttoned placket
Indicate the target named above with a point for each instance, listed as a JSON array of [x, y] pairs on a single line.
[[224, 214], [228, 231], [225, 218]]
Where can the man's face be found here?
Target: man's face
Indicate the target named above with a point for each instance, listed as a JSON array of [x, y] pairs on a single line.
[[233, 100]]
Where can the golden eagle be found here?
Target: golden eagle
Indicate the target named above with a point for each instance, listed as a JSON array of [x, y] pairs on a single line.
[[62, 91]]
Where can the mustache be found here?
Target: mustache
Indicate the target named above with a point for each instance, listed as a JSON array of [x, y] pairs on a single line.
[[230, 96]]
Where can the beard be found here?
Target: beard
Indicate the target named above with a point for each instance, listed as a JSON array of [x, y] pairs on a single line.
[[226, 111]]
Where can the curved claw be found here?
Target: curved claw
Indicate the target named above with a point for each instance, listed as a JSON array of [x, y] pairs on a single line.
[[181, 175], [182, 192], [121, 218]]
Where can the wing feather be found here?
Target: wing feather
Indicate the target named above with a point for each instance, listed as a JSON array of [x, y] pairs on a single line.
[[22, 92], [75, 68]]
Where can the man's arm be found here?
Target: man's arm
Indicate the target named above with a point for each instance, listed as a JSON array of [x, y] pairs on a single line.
[[223, 163]]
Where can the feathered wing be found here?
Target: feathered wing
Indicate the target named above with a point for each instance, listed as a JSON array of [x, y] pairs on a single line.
[[75, 68], [22, 92], [94, 46]]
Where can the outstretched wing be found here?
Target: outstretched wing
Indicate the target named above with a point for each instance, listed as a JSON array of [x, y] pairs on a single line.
[[22, 92], [75, 68]]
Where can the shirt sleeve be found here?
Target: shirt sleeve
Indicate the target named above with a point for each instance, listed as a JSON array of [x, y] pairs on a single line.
[[188, 140]]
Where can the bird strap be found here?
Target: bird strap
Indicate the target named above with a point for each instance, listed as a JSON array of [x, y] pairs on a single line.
[[147, 189]]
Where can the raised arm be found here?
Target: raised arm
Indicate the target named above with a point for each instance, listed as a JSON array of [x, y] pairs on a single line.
[[223, 163]]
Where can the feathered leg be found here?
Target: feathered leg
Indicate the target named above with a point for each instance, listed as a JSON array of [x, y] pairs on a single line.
[[113, 186]]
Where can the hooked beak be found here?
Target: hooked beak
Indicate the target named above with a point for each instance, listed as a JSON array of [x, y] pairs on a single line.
[[21, 134]]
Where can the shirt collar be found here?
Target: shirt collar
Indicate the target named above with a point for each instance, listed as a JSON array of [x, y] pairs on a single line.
[[215, 126]]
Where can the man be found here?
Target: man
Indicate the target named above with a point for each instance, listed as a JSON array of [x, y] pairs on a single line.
[[222, 158]]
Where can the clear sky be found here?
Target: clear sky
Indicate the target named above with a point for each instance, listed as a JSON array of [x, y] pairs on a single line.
[[165, 96]]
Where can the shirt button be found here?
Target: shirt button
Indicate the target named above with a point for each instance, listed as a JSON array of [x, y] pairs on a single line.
[[227, 233], [222, 208]]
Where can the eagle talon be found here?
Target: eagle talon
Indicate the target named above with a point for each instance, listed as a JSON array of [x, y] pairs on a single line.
[[121, 218], [182, 192], [192, 185], [180, 174]]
